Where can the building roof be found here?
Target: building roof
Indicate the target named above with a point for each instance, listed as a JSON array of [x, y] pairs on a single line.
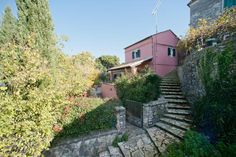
[[191, 1], [169, 30], [130, 64]]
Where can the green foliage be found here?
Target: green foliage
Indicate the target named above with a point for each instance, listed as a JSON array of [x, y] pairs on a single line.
[[8, 27], [143, 87], [36, 80], [118, 139], [194, 145], [105, 62], [226, 150], [30, 104], [86, 115], [196, 37], [35, 20], [214, 114]]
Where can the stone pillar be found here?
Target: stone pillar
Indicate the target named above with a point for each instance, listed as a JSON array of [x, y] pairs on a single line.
[[120, 119], [152, 112]]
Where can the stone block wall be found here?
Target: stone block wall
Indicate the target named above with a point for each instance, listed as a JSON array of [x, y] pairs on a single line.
[[190, 72], [206, 9], [152, 112], [191, 83], [120, 119]]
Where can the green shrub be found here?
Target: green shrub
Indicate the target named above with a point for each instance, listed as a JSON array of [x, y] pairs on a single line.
[[214, 114], [194, 145], [86, 115], [226, 150], [142, 87], [30, 103]]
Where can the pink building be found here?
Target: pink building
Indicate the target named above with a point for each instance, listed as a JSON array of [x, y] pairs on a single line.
[[157, 51]]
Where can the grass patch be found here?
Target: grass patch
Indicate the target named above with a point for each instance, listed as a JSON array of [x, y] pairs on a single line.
[[119, 139]]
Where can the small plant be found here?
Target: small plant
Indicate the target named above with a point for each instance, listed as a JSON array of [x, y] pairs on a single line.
[[118, 139]]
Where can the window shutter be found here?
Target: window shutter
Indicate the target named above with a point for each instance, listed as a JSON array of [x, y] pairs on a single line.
[[138, 54], [169, 51], [174, 53], [229, 3]]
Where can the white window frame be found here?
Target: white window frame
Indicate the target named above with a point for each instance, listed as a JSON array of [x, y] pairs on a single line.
[[135, 54], [171, 52]]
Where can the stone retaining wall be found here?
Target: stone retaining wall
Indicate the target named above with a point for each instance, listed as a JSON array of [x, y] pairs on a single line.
[[152, 112], [189, 73]]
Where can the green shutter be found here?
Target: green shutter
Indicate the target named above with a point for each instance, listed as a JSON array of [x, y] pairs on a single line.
[[138, 55], [169, 51], [229, 3], [174, 53]]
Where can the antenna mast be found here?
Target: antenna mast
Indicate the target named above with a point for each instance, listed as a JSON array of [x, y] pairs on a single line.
[[155, 11]]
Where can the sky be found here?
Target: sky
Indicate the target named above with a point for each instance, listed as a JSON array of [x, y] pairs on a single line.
[[106, 27]]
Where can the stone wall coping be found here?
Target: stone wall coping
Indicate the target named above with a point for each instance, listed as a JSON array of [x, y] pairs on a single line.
[[160, 101], [92, 135], [119, 108]]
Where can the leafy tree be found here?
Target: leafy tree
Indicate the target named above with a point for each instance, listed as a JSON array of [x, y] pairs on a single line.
[[8, 27], [34, 89], [105, 62], [35, 20]]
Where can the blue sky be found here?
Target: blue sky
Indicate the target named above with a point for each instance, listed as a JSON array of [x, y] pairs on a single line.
[[105, 27]]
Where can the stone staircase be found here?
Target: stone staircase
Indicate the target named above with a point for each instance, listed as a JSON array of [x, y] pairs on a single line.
[[171, 127], [176, 121]]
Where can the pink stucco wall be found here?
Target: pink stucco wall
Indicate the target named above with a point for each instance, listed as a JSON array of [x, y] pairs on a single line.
[[108, 91], [157, 46], [144, 46]]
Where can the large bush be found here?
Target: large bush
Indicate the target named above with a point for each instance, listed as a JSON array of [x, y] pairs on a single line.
[[142, 87], [214, 114], [194, 145], [198, 145], [30, 104]]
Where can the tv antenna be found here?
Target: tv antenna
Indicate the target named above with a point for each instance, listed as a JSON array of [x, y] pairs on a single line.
[[155, 12]]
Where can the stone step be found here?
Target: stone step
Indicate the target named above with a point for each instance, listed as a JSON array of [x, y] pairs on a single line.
[[183, 118], [179, 106], [170, 84], [171, 93], [170, 79], [179, 133], [176, 123], [104, 154], [170, 90], [140, 146], [177, 101], [174, 96], [114, 152], [161, 138], [178, 111], [169, 87]]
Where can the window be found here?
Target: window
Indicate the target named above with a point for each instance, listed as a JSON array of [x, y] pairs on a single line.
[[171, 52], [136, 54], [229, 3]]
